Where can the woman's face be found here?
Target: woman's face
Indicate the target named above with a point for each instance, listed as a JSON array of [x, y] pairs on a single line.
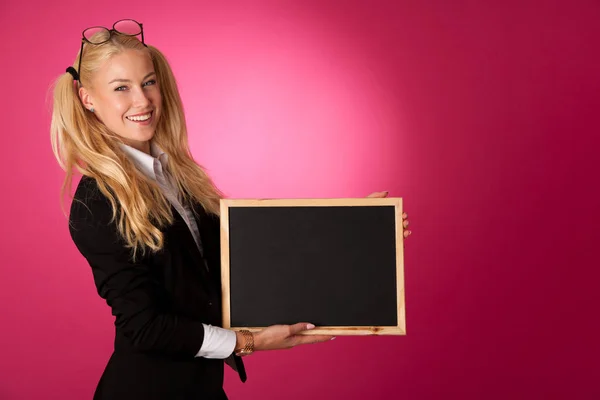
[[126, 97]]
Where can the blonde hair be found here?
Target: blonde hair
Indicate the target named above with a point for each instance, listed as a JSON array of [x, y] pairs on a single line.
[[81, 142]]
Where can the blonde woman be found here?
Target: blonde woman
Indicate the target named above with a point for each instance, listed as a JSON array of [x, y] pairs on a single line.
[[145, 217]]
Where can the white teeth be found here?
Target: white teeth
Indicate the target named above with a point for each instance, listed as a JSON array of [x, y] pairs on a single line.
[[140, 117]]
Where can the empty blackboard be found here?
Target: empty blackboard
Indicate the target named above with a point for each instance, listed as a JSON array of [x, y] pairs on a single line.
[[337, 263]]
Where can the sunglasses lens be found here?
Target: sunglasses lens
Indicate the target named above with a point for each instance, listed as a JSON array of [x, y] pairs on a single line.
[[96, 34], [128, 27]]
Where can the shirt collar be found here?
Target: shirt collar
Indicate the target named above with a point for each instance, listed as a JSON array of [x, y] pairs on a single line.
[[147, 163]]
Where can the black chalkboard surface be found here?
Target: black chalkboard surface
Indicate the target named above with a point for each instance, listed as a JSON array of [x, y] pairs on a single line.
[[336, 263]]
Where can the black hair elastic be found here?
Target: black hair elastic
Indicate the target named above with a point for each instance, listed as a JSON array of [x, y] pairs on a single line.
[[73, 73]]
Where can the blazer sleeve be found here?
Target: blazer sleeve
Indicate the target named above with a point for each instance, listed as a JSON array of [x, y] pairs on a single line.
[[127, 286]]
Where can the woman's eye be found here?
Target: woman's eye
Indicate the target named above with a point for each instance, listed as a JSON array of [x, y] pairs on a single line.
[[148, 83]]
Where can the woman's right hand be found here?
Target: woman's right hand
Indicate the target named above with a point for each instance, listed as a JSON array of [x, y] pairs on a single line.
[[277, 337]]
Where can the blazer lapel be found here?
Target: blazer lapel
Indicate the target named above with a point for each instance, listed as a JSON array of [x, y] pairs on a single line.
[[209, 228], [199, 261]]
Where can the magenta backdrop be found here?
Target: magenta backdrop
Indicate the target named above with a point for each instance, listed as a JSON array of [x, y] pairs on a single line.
[[484, 118]]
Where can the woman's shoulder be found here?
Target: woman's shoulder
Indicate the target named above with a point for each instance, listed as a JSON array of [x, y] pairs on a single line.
[[89, 203], [91, 223], [86, 188]]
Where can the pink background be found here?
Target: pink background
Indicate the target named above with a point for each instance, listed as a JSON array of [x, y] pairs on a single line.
[[484, 118]]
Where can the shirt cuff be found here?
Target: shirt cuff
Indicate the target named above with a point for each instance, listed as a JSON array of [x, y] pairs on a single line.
[[218, 342]]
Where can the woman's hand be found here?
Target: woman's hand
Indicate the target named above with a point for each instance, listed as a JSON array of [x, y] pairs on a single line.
[[405, 222], [282, 337]]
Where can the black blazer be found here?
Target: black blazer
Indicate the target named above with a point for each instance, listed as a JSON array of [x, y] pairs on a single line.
[[159, 303]]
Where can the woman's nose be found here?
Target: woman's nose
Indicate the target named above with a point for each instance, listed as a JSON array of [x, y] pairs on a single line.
[[140, 98]]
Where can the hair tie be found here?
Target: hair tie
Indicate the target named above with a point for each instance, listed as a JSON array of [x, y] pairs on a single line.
[[73, 73]]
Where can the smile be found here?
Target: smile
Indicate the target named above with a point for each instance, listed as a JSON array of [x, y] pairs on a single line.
[[140, 118]]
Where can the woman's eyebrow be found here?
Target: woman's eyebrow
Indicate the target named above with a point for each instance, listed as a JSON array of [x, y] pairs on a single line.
[[128, 80]]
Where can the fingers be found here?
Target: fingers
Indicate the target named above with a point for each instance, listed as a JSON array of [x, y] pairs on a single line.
[[378, 194], [405, 224], [296, 329], [295, 339], [302, 326], [313, 339]]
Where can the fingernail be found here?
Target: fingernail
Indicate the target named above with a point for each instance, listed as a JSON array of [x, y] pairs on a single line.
[[333, 338], [310, 326]]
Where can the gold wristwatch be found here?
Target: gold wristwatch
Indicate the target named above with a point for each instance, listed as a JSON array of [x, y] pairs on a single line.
[[248, 345]]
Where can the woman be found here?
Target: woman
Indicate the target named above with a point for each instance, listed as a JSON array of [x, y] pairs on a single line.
[[145, 216]]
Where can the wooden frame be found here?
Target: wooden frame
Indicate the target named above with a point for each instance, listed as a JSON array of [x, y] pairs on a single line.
[[400, 329]]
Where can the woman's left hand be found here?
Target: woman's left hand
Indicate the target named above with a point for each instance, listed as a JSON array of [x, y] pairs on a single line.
[[405, 222]]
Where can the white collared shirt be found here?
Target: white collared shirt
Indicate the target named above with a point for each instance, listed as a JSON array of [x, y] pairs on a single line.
[[218, 342]]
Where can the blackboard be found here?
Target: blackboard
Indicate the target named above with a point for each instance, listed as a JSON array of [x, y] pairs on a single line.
[[336, 263]]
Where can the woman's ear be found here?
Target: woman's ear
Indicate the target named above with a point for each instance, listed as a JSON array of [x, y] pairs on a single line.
[[86, 98]]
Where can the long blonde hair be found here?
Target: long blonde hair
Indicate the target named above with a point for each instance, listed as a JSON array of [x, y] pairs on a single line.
[[81, 142]]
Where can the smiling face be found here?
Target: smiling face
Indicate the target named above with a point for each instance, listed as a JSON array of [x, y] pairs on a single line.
[[125, 97]]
